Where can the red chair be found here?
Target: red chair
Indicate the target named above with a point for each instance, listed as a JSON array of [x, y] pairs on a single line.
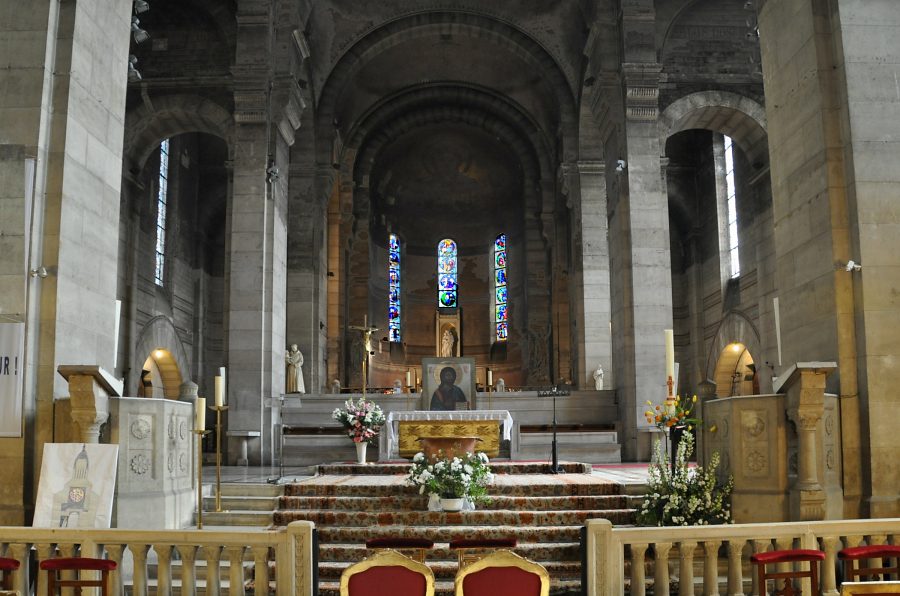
[[387, 573], [77, 564], [7, 566], [469, 550], [788, 556], [502, 573], [417, 546], [876, 551]]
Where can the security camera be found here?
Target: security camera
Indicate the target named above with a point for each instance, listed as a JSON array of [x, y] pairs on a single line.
[[852, 266], [620, 165]]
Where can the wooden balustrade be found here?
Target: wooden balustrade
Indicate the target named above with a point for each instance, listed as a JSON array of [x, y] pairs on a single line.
[[231, 552], [717, 556]]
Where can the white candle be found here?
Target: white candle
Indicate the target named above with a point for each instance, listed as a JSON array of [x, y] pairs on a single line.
[[408, 379], [490, 377], [220, 392], [200, 414], [670, 354]]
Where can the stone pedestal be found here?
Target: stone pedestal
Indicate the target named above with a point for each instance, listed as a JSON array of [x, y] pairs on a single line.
[[157, 459]]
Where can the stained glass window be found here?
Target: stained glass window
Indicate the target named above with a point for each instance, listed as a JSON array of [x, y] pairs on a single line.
[[501, 294], [162, 196], [393, 288], [446, 269]]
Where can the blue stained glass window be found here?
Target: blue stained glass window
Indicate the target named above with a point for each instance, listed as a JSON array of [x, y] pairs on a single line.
[[447, 273], [501, 293], [162, 201], [394, 288]]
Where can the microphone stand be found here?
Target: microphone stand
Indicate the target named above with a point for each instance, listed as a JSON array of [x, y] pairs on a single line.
[[555, 468]]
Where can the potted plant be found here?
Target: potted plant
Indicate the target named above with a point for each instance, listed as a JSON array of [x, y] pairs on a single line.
[[454, 481], [362, 419]]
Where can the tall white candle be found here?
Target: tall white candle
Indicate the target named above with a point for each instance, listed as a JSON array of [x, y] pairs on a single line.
[[490, 374], [220, 392], [669, 335], [408, 379], [200, 414]]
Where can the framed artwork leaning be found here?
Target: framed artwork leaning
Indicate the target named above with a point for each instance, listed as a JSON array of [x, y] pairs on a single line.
[[448, 384]]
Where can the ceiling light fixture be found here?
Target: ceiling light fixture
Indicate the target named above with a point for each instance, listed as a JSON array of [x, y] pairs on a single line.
[[134, 75], [140, 35], [141, 6]]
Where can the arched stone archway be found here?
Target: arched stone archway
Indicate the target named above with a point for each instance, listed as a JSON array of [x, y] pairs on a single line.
[[160, 334], [737, 329]]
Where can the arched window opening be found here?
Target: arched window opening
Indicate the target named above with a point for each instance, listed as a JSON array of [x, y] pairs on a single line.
[[447, 274], [162, 196], [501, 294], [394, 288]]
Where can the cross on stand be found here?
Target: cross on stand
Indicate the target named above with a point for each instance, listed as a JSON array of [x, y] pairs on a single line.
[[366, 332]]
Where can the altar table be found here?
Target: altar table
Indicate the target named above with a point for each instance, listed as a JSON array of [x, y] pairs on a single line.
[[401, 429]]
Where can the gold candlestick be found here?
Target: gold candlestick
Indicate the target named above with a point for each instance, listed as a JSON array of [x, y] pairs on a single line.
[[218, 410], [200, 432]]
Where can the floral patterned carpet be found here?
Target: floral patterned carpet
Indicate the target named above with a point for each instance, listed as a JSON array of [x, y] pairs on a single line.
[[350, 503]]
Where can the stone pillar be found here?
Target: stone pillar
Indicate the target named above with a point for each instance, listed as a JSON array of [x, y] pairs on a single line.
[[90, 388], [805, 388], [590, 276]]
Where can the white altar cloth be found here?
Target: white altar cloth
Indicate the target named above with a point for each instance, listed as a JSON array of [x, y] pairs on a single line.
[[388, 443]]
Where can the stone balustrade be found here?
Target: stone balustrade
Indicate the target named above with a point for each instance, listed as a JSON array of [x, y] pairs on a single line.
[[713, 560], [289, 548]]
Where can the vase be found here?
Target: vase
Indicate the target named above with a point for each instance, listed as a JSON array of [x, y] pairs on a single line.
[[434, 502], [675, 435], [361, 452], [452, 505]]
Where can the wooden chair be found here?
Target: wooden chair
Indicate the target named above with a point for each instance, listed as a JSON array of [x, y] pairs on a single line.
[[882, 552], [77, 564], [469, 550], [502, 573], [7, 566], [387, 573], [417, 547], [788, 556]]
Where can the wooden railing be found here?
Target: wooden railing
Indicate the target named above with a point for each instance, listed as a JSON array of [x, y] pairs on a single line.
[[713, 560], [290, 549]]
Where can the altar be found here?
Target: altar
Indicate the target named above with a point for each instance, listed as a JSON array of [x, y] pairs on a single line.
[[402, 429]]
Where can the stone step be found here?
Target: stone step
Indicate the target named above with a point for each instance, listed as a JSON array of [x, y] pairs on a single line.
[[248, 489], [352, 519], [524, 534], [446, 570], [594, 448], [567, 485], [553, 551], [419, 503], [497, 467], [242, 503], [237, 518]]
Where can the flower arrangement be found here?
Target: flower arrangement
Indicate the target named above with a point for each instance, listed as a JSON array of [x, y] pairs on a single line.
[[461, 477], [676, 413], [362, 419], [685, 496]]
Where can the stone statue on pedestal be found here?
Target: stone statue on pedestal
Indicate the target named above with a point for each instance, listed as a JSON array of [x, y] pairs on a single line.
[[598, 378], [294, 380]]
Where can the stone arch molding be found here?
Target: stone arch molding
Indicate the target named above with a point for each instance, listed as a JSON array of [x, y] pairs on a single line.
[[168, 116], [158, 332], [735, 327], [739, 117]]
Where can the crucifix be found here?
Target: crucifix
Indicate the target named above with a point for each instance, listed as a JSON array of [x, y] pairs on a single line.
[[366, 332]]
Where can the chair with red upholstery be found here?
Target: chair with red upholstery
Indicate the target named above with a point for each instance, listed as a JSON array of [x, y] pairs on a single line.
[[791, 556], [417, 547], [77, 564], [469, 550], [7, 566], [502, 573], [387, 573], [884, 553]]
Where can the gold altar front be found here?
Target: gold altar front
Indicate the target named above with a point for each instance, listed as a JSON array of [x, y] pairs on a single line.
[[487, 430]]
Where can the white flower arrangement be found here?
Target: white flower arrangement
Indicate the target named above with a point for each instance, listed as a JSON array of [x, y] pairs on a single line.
[[685, 496], [461, 477], [362, 419]]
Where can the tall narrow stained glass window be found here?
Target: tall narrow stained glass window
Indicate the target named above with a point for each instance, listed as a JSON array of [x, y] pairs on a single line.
[[501, 293], [734, 256], [447, 279], [393, 288], [161, 210]]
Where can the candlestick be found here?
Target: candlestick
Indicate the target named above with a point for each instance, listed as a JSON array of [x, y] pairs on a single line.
[[220, 393], [200, 414], [408, 381], [199, 432], [219, 409]]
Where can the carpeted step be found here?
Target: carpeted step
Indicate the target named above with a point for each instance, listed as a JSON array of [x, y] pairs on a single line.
[[352, 519], [497, 467], [540, 552], [446, 570], [448, 533], [446, 588], [419, 503], [563, 485]]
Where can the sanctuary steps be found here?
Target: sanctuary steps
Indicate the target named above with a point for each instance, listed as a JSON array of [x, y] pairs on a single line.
[[545, 512]]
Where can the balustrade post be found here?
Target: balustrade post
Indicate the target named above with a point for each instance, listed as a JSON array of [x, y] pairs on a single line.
[[783, 544], [139, 581], [661, 568], [188, 554], [735, 572], [19, 552], [235, 569], [261, 570], [831, 545], [213, 568], [163, 569], [638, 575], [759, 546], [116, 583], [711, 567], [66, 551], [686, 568]]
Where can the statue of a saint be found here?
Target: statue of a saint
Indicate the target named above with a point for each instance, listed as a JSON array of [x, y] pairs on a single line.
[[598, 378], [294, 361], [447, 344], [335, 386], [501, 385]]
